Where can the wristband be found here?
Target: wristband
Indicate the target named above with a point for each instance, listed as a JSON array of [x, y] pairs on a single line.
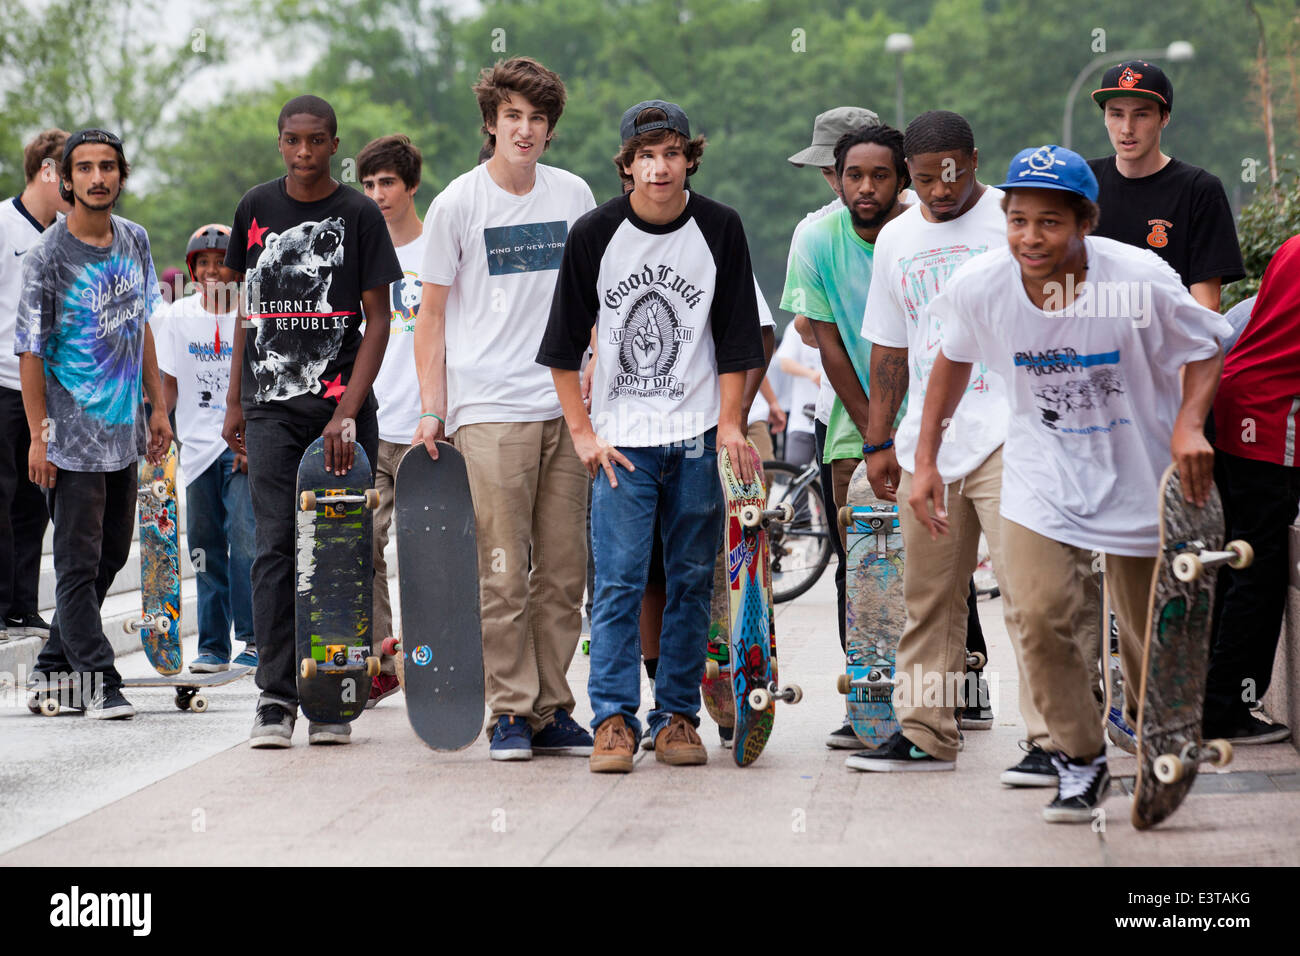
[[868, 449], [435, 415]]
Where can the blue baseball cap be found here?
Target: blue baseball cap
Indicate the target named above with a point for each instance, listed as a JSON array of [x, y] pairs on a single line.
[[1051, 167]]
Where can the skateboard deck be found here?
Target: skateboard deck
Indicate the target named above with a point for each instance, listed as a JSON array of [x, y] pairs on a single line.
[[160, 566], [189, 689], [718, 694], [749, 588], [334, 587], [440, 650], [1176, 652], [874, 611]]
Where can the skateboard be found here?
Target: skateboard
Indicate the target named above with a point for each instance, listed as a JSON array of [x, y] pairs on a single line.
[[49, 697], [334, 587], [440, 651], [719, 699], [160, 566], [1175, 654], [189, 689], [749, 588], [874, 611]]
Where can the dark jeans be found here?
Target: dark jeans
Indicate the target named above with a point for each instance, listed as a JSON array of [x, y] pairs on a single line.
[[275, 448], [828, 502], [93, 513], [1259, 503], [219, 526], [974, 632], [23, 514]]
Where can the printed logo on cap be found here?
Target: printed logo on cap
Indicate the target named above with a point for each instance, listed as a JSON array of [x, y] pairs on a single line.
[[1128, 79]]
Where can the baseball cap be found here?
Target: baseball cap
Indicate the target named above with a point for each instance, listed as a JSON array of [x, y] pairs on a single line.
[[828, 127], [676, 120], [1135, 78], [90, 136], [1051, 167]]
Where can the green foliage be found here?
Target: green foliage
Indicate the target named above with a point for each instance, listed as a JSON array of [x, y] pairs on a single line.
[[1270, 220]]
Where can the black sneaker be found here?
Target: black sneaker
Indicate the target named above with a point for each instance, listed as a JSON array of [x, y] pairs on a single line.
[[1081, 787], [27, 625], [1035, 770], [895, 754], [109, 704], [272, 727], [843, 738], [726, 735], [1247, 729], [979, 715]]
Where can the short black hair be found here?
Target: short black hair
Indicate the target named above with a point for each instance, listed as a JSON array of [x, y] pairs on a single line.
[[311, 105], [877, 133], [938, 131]]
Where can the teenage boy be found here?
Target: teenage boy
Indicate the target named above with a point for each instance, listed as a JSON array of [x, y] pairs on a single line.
[[23, 515], [957, 218], [1154, 201], [195, 347], [665, 277], [495, 237], [314, 254], [389, 169], [85, 347], [1096, 410]]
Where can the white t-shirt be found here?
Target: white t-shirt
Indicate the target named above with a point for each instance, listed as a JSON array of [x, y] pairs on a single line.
[[913, 260], [826, 394], [1093, 388], [500, 253], [18, 233], [397, 388], [804, 391], [759, 411], [194, 346]]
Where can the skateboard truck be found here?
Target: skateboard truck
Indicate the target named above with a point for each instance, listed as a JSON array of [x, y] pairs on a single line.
[[760, 698], [157, 623], [308, 500], [1189, 566], [1170, 768], [309, 666], [752, 516]]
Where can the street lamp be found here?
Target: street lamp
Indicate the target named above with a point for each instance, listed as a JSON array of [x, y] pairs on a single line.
[[1179, 51], [900, 43]]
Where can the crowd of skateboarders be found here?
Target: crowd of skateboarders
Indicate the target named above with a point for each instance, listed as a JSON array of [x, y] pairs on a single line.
[[590, 361]]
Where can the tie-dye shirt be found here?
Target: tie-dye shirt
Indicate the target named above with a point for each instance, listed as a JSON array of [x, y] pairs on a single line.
[[83, 310]]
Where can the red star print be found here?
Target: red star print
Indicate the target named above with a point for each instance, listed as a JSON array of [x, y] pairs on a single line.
[[255, 234], [334, 389]]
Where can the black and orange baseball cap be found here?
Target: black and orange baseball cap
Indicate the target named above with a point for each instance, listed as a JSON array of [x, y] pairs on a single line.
[[1135, 78]]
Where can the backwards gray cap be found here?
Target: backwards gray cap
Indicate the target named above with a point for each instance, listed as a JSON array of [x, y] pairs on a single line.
[[827, 129], [675, 120]]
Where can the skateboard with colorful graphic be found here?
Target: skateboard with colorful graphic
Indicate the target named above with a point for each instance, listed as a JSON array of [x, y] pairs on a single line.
[[440, 650], [749, 587], [160, 566], [334, 587], [1176, 652], [719, 699], [874, 611]]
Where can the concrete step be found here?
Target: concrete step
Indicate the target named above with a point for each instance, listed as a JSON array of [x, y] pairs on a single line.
[[128, 579]]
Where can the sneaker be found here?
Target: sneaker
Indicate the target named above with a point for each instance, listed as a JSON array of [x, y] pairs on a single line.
[[897, 754], [726, 736], [1081, 787], [247, 658], [562, 737], [979, 715], [843, 738], [614, 747], [272, 727], [385, 685], [1035, 770], [679, 745], [1248, 729], [27, 625], [329, 733], [1119, 732], [208, 664], [109, 705], [647, 738], [512, 739]]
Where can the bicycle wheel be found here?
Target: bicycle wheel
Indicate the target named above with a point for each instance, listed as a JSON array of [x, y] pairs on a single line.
[[801, 549]]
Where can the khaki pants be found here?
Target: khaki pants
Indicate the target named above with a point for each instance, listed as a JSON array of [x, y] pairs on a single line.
[[1059, 662], [761, 436], [842, 470], [386, 462], [931, 660], [530, 502]]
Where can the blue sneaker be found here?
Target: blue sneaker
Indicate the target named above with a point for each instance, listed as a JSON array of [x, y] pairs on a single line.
[[512, 739], [1119, 732], [208, 664], [248, 658], [563, 737]]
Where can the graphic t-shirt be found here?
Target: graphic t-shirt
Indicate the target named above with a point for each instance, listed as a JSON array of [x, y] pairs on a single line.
[[1093, 388], [195, 347], [674, 306], [500, 253], [397, 388], [914, 258], [83, 310], [1180, 213], [306, 265], [1258, 400], [19, 231]]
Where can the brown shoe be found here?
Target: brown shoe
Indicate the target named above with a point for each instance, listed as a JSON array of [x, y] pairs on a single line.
[[615, 745], [678, 744]]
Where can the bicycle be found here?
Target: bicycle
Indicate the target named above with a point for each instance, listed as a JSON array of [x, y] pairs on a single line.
[[800, 550]]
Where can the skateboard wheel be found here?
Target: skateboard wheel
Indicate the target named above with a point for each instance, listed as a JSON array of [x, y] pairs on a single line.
[[372, 499], [751, 516], [307, 668], [372, 666], [787, 512], [844, 684], [711, 670], [1187, 567], [50, 706], [1221, 752], [307, 501], [976, 661], [760, 698], [199, 704], [586, 646], [159, 490], [1168, 768], [846, 517], [391, 646], [1245, 555], [131, 626], [794, 693]]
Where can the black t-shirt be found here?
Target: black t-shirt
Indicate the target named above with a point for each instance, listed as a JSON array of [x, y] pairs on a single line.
[[306, 265], [1180, 213]]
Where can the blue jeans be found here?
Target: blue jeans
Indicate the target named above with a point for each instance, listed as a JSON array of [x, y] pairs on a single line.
[[679, 485], [219, 522]]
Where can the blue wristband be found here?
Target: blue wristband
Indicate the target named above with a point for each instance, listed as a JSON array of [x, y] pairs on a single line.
[[868, 449]]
